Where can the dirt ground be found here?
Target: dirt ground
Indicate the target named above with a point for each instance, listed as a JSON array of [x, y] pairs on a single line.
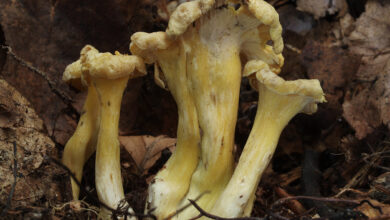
[[333, 164]]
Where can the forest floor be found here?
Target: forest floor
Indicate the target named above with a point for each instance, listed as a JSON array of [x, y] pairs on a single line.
[[333, 164]]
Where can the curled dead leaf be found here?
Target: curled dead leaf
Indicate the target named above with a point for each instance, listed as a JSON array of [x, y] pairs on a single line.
[[146, 150]]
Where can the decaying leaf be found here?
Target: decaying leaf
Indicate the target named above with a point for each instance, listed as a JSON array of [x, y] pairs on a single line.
[[368, 104], [23, 130], [320, 8], [372, 211], [333, 66], [146, 150]]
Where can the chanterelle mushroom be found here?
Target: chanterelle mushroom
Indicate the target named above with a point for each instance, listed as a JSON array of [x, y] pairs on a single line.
[[106, 75], [279, 101], [83, 142], [200, 58]]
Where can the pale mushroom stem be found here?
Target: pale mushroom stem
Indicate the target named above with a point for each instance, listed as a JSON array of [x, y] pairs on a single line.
[[107, 168], [214, 79], [171, 183], [83, 142], [273, 113]]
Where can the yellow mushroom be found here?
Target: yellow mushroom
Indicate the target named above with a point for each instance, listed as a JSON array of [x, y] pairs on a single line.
[[279, 101], [200, 56], [83, 142], [109, 74]]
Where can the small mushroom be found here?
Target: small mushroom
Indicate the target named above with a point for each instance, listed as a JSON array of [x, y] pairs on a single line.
[[83, 142], [279, 101], [109, 75], [199, 59]]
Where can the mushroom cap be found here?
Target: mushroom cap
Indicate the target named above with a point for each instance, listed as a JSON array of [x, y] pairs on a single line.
[[187, 13], [309, 88], [72, 71], [143, 44], [251, 27], [109, 66], [72, 74]]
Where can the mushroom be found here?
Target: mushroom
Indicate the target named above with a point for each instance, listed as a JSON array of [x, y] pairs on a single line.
[[198, 58], [171, 183], [279, 101], [83, 142], [106, 76], [109, 75]]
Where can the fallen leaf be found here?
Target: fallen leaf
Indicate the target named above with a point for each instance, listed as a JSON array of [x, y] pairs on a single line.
[[367, 103], [320, 8], [23, 139], [372, 212], [333, 66], [146, 150]]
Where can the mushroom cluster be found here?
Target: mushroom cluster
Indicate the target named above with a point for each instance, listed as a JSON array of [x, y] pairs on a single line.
[[208, 46], [201, 57]]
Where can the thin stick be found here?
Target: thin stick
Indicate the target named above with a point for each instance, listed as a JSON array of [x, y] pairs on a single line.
[[15, 174], [68, 101], [208, 215]]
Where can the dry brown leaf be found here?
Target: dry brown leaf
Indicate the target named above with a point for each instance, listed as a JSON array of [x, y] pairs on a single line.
[[319, 8], [146, 150], [20, 125], [372, 212], [333, 66], [367, 105]]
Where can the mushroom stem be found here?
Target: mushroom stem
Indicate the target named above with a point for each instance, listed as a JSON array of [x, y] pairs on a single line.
[[215, 79], [171, 183], [107, 168], [279, 101], [83, 142]]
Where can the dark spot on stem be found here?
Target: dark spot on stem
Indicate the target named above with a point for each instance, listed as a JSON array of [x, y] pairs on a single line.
[[111, 177], [108, 103], [213, 98], [81, 123], [241, 196], [222, 140]]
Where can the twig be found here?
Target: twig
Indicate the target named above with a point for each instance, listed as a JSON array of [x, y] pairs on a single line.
[[185, 207], [376, 156], [52, 85], [15, 173], [121, 210], [325, 199], [294, 205], [208, 215]]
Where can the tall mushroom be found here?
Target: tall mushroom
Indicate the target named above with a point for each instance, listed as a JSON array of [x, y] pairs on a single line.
[[171, 183], [200, 57], [279, 101], [83, 142], [106, 76]]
